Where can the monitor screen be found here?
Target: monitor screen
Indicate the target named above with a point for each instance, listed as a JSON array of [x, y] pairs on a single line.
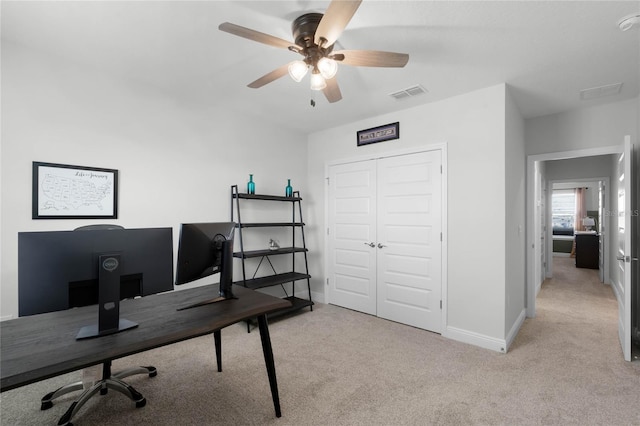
[[205, 249], [200, 249], [59, 269]]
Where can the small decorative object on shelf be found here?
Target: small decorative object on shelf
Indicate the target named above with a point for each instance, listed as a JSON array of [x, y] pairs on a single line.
[[288, 190], [273, 244], [251, 186]]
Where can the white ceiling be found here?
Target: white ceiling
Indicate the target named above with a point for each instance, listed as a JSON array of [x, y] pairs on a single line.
[[547, 51]]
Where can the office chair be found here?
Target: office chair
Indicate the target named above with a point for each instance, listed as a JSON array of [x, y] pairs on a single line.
[[108, 381]]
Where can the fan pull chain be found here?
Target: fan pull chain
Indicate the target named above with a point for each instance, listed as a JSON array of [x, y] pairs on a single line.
[[312, 102]]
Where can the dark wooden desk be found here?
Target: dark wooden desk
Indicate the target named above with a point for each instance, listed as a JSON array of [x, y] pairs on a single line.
[[41, 346]]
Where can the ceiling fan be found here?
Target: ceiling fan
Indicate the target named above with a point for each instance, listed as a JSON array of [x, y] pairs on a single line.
[[315, 35]]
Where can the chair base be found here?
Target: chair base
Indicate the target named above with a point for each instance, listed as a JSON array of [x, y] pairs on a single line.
[[107, 382]]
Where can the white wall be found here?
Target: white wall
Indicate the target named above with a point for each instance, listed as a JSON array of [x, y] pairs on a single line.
[[593, 127], [515, 179], [473, 127], [579, 168], [176, 161]]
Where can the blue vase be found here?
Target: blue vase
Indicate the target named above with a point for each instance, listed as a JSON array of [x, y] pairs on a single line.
[[251, 186], [288, 190]]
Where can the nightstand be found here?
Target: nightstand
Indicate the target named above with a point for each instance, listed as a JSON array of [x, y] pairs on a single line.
[[587, 250]]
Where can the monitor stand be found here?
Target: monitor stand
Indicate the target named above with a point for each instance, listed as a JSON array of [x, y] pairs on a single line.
[[109, 321], [206, 302], [93, 330], [226, 278]]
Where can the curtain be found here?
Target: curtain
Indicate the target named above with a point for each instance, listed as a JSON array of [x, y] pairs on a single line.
[[581, 210]]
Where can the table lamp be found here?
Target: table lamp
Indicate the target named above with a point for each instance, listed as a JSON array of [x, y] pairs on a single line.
[[588, 223]]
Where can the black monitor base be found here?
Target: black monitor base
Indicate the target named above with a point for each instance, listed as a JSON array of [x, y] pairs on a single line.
[[207, 302], [90, 331]]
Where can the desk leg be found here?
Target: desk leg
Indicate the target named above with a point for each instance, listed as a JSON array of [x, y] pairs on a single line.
[[218, 341], [268, 359]]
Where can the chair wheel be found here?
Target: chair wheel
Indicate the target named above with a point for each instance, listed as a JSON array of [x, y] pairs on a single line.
[[45, 405], [153, 372], [141, 403]]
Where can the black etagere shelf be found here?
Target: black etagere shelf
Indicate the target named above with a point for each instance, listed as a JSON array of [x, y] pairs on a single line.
[[269, 252], [298, 248]]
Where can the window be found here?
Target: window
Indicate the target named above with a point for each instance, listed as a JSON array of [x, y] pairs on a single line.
[[563, 209]]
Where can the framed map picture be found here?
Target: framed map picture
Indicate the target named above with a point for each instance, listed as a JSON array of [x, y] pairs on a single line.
[[74, 192]]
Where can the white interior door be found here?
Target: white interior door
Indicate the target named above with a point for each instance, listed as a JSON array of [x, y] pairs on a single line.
[[601, 228], [352, 236], [409, 226], [623, 256], [542, 213]]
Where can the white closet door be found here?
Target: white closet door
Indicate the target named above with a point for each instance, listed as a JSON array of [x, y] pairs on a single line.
[[409, 241], [352, 233]]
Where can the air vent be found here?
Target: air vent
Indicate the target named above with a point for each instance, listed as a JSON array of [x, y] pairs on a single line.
[[400, 95], [408, 92], [599, 92]]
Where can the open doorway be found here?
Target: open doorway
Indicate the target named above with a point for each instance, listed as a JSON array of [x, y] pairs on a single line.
[[582, 164], [590, 165], [578, 226]]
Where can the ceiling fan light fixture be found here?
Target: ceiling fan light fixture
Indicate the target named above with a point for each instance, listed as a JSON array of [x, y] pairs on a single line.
[[315, 36], [317, 81], [297, 70], [327, 67]]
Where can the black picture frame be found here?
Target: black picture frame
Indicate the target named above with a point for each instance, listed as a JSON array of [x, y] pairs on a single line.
[[62, 191], [378, 134]]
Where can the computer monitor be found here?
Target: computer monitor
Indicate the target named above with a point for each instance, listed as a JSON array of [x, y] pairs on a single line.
[[59, 270], [205, 249]]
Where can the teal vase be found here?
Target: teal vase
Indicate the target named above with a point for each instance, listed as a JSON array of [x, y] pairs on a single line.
[[288, 190], [251, 186]]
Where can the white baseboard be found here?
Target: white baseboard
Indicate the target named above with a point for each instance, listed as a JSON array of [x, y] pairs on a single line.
[[6, 317], [516, 328], [476, 339]]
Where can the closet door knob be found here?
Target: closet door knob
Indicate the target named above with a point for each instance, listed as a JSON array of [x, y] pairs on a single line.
[[370, 244], [381, 245]]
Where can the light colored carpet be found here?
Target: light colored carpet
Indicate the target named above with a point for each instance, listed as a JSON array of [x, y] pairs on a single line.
[[339, 367]]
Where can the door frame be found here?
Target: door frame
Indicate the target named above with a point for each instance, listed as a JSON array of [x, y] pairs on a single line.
[[607, 224], [442, 147], [531, 215]]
